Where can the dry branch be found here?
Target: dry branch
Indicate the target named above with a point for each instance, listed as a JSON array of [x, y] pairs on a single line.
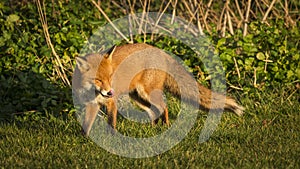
[[110, 22], [247, 18], [268, 11], [227, 16], [60, 68]]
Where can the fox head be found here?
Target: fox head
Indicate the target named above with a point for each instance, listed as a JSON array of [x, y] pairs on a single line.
[[93, 73]]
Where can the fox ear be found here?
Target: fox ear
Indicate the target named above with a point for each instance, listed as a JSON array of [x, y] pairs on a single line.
[[82, 64], [110, 52]]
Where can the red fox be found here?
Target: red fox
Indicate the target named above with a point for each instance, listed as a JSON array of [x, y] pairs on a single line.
[[102, 73]]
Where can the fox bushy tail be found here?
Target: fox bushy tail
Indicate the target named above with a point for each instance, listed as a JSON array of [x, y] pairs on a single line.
[[182, 84]]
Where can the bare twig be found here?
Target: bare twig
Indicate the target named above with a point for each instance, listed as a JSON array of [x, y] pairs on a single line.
[[231, 12], [237, 88], [174, 11], [110, 22], [287, 15], [224, 26], [219, 25], [208, 6], [147, 18], [194, 15], [229, 18], [258, 2], [189, 10], [25, 112], [237, 67], [239, 9], [129, 9], [143, 16], [223, 18], [130, 29], [119, 6], [255, 79], [268, 11], [274, 10], [159, 17], [288, 98], [161, 7], [200, 29], [162, 13], [266, 62], [247, 18], [206, 15], [61, 70]]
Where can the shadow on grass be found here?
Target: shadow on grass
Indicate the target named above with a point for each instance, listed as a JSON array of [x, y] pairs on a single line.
[[26, 92]]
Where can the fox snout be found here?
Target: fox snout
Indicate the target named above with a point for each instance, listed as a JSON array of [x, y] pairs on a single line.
[[107, 94]]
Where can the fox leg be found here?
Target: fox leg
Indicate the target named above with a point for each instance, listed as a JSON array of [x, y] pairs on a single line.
[[165, 118], [91, 110], [143, 104], [155, 98], [112, 113]]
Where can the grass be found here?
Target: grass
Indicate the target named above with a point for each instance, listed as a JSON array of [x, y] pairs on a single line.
[[267, 136]]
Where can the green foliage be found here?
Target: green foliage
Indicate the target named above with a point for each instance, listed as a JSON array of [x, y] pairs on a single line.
[[45, 132], [268, 55], [22, 40], [28, 79]]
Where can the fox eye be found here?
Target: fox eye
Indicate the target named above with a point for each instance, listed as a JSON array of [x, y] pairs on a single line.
[[98, 81]]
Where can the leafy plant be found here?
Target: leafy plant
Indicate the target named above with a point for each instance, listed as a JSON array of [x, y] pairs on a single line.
[[267, 56]]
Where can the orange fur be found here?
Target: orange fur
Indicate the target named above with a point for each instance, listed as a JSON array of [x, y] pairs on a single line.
[[110, 72]]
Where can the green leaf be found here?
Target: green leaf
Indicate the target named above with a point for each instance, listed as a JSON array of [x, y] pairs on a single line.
[[248, 38], [296, 57], [297, 72], [249, 61], [290, 74], [221, 42], [260, 56], [13, 18], [275, 68]]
